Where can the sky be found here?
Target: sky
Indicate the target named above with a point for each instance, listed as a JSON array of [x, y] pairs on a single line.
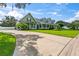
[[56, 11]]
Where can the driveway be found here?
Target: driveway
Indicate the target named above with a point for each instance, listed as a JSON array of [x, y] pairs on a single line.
[[34, 44]]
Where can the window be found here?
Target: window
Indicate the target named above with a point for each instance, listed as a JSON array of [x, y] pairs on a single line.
[[29, 19]]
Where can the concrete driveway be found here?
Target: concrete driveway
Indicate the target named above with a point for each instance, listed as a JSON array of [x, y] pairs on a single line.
[[37, 44]]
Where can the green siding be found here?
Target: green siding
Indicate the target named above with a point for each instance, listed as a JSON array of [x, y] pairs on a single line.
[[28, 19]]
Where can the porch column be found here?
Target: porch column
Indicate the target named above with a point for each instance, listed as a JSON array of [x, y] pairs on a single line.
[[45, 26], [35, 26], [41, 26]]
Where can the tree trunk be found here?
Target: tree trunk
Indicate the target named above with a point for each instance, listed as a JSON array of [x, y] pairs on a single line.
[[12, 7]]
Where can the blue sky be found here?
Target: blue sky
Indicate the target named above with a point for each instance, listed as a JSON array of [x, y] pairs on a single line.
[[57, 11]]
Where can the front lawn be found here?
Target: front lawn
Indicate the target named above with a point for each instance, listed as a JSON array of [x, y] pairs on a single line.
[[7, 44], [66, 33]]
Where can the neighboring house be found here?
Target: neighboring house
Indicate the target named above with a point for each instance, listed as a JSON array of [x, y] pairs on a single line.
[[36, 24], [0, 21], [65, 27]]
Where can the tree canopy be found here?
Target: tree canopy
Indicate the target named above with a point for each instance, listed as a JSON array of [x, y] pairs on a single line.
[[8, 21]]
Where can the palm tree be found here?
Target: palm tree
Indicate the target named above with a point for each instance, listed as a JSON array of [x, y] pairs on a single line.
[[12, 6], [3, 4], [21, 5], [18, 5]]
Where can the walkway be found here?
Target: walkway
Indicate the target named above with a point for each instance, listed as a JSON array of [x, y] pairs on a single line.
[[33, 43]]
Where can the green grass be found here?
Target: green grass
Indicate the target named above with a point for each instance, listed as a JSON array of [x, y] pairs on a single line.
[[66, 33], [7, 44]]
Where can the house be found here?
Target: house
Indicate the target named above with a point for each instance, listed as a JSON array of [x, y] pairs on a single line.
[[65, 27], [36, 24]]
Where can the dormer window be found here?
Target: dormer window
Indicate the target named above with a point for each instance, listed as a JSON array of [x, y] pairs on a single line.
[[29, 20]]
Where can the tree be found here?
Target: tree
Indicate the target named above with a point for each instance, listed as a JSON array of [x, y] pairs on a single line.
[[9, 21], [50, 21], [12, 6], [61, 23], [57, 27], [21, 5], [75, 25]]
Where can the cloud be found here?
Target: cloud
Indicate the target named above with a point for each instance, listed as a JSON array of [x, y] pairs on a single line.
[[76, 17], [39, 10], [2, 13], [70, 19], [15, 13], [61, 3], [53, 13], [58, 3], [34, 12], [8, 12], [77, 14]]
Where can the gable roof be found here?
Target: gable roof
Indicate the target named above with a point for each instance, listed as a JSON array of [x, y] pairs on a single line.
[[28, 16], [35, 20]]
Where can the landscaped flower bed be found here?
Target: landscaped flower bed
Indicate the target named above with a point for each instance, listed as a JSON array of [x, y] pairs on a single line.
[[7, 44]]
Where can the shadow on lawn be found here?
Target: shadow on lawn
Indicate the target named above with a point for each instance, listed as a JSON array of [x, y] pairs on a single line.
[[28, 44]]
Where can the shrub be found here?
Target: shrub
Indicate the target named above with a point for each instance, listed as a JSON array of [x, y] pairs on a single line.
[[57, 27], [21, 26]]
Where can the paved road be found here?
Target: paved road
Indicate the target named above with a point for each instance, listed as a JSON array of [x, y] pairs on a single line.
[[33, 43], [72, 49]]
